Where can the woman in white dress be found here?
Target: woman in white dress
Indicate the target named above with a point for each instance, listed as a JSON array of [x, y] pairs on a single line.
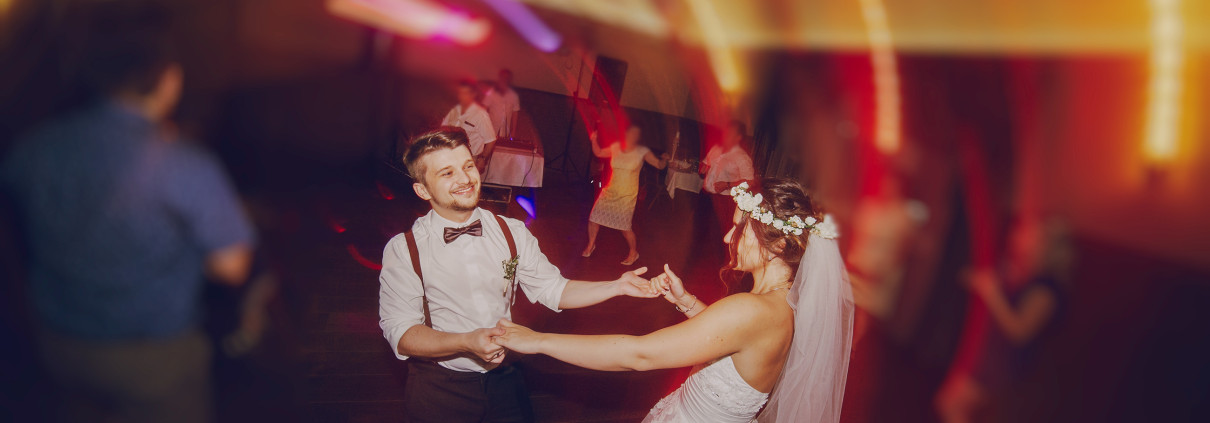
[[614, 208], [790, 335]]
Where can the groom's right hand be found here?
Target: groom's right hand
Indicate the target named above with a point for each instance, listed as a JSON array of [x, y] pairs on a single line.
[[479, 342]]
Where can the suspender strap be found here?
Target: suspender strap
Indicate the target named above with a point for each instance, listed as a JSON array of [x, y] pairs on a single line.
[[414, 250], [508, 236], [512, 252]]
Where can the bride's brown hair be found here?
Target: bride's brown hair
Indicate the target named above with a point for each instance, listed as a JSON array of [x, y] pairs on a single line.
[[785, 198]]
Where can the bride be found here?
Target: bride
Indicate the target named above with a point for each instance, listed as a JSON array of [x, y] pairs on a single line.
[[790, 336]]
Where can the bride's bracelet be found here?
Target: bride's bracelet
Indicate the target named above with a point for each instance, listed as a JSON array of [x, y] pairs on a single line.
[[686, 310]]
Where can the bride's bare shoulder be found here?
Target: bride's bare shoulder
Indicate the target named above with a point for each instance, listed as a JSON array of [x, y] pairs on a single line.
[[758, 309]]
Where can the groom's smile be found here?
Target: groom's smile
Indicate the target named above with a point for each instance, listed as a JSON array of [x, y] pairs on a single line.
[[451, 181]]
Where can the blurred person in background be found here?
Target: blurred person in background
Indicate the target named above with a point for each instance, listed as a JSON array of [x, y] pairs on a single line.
[[502, 105], [123, 222], [727, 165], [1024, 301], [886, 230], [473, 118], [614, 208]]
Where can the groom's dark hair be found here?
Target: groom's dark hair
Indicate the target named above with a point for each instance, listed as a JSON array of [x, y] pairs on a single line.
[[448, 137]]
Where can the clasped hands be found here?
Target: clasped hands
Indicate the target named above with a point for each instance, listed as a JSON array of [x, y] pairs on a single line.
[[491, 344]]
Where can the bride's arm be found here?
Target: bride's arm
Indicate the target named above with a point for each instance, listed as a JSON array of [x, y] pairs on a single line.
[[724, 329]]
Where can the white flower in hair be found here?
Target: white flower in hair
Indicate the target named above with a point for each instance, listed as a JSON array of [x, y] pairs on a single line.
[[766, 218], [751, 204], [826, 229]]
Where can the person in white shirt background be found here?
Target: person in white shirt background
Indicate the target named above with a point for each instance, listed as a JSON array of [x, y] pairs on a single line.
[[473, 118], [502, 105], [727, 165], [444, 314]]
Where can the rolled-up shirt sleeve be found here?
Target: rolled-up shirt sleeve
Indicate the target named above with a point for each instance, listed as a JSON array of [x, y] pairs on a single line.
[[541, 280], [400, 296]]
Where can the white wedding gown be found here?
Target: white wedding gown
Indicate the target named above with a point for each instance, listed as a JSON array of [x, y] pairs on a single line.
[[716, 393]]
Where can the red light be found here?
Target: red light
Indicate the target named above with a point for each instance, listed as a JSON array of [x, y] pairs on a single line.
[[384, 191], [362, 260]]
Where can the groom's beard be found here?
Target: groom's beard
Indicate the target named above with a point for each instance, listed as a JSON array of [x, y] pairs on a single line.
[[463, 204]]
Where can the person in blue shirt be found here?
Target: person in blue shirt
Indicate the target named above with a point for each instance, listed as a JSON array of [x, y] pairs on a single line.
[[123, 223]]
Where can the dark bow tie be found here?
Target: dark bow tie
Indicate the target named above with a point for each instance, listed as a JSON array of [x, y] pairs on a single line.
[[473, 229]]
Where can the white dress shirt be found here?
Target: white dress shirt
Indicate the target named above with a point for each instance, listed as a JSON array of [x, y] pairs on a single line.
[[475, 121], [464, 280], [731, 166], [501, 106]]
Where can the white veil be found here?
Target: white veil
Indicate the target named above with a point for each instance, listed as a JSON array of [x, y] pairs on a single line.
[[811, 386]]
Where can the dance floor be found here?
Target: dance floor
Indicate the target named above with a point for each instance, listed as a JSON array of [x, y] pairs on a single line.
[[1131, 348]]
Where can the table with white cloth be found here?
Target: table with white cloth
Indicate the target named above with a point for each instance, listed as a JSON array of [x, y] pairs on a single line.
[[677, 179], [516, 163]]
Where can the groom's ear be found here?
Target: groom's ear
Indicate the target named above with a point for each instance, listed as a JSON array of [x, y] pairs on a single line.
[[421, 191]]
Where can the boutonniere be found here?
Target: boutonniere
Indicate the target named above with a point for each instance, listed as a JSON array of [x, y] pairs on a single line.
[[510, 268], [510, 272]]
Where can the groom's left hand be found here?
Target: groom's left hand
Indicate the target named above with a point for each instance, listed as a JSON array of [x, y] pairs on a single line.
[[632, 285]]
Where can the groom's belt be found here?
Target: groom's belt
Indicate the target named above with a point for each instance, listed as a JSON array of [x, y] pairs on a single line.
[[431, 367]]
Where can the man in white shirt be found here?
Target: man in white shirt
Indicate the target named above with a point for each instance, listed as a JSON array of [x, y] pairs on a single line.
[[473, 119], [502, 105], [444, 313], [726, 165]]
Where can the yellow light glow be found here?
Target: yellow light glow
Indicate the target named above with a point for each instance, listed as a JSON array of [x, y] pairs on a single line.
[[722, 58], [413, 18], [1167, 59], [886, 76]]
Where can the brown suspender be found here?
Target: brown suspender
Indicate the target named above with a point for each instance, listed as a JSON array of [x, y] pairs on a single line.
[[414, 251]]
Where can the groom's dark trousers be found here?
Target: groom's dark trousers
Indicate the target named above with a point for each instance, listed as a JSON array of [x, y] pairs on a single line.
[[440, 395]]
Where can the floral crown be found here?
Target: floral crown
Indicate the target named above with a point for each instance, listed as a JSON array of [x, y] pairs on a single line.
[[795, 225]]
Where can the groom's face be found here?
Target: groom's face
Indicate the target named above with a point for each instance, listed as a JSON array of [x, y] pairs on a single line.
[[451, 180]]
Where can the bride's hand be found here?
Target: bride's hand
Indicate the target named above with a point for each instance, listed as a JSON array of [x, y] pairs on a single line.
[[671, 286], [517, 338]]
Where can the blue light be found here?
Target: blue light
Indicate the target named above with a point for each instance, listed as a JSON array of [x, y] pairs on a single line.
[[527, 205]]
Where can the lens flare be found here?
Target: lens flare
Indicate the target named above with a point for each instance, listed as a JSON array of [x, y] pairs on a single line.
[[1167, 57], [886, 76], [414, 19]]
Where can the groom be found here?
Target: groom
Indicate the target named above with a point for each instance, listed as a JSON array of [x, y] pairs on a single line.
[[446, 283]]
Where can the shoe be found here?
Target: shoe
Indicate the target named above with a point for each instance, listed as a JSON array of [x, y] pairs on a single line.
[[630, 260], [588, 251]]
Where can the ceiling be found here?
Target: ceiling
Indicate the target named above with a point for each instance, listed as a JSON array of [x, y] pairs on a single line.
[[988, 26]]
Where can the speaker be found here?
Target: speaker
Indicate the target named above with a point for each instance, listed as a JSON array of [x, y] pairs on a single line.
[[608, 79]]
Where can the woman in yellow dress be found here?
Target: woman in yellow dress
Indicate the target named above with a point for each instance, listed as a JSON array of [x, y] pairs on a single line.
[[614, 208]]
